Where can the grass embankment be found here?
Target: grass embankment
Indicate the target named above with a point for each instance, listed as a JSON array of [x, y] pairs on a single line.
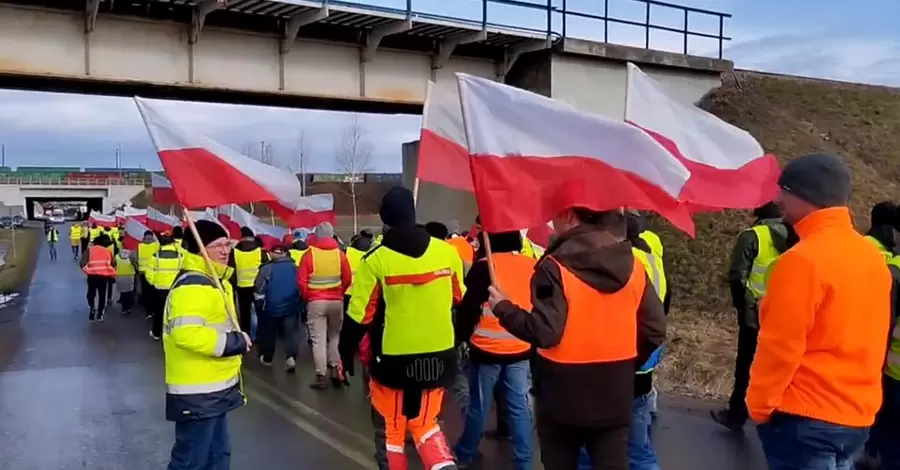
[[790, 117], [20, 262]]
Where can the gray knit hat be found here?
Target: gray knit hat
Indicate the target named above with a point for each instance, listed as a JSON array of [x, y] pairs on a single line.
[[821, 179]]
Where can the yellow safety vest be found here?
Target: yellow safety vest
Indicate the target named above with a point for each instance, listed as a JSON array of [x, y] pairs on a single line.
[[145, 253], [654, 266], [354, 257], [652, 239], [888, 255], [124, 266], [93, 233], [297, 255], [529, 250], [53, 236], [75, 233], [765, 256], [892, 365], [195, 325], [418, 296], [164, 268], [247, 264], [112, 248], [326, 272]]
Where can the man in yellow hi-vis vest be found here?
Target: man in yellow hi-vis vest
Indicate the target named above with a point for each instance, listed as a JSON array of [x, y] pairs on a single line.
[[881, 228], [75, 232], [403, 294], [161, 272], [755, 249], [324, 275], [145, 250], [246, 259]]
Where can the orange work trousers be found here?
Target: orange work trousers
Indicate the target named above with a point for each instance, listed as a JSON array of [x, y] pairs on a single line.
[[431, 443]]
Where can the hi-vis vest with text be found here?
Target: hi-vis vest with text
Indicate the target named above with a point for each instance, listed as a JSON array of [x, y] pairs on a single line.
[[247, 264], [892, 365], [589, 338], [655, 269], [765, 256], [164, 267], [145, 252], [513, 272], [99, 262], [888, 255], [297, 255], [326, 271], [124, 266]]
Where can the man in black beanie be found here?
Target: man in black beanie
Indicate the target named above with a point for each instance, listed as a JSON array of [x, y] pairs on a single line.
[[203, 354], [402, 296], [246, 260]]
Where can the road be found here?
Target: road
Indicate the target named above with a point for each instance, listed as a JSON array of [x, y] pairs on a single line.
[[77, 395]]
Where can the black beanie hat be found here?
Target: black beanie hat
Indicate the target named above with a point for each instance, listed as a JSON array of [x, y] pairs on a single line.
[[821, 179], [398, 209], [209, 232], [178, 232], [246, 232], [883, 213]]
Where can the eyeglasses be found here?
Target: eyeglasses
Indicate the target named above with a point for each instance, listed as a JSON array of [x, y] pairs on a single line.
[[223, 245]]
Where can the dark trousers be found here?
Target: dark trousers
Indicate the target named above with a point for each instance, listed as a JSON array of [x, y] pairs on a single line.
[[267, 330], [158, 302], [885, 436], [794, 442], [245, 305], [97, 288], [127, 300], [146, 294], [84, 244], [746, 349], [201, 444], [75, 251], [561, 444]]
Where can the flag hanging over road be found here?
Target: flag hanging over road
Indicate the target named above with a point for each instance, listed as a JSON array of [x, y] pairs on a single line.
[[729, 169], [134, 233], [443, 153], [533, 157]]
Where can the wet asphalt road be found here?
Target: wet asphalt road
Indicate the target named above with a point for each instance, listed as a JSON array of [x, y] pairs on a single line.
[[75, 395]]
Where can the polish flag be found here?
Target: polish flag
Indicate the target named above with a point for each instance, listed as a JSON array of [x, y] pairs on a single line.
[[311, 211], [134, 233], [271, 235], [533, 157], [729, 169], [233, 217], [207, 214], [130, 212], [205, 173], [159, 222], [539, 234], [102, 220], [161, 189], [443, 156]]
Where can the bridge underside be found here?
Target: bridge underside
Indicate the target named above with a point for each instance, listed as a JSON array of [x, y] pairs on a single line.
[[92, 203]]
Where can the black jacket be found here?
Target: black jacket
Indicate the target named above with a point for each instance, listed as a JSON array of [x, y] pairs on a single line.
[[745, 250]]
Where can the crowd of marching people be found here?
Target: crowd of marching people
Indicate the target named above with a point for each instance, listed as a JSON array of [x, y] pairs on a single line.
[[563, 341]]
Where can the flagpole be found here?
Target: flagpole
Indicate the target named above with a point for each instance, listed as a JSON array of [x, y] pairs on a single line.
[[628, 66], [415, 190], [232, 316]]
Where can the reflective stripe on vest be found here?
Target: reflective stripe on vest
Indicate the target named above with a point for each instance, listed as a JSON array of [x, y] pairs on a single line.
[[247, 264], [326, 271], [654, 267], [589, 338], [166, 265], [124, 267], [53, 236], [892, 365], [652, 239], [99, 262], [765, 255], [513, 272], [885, 252], [193, 389]]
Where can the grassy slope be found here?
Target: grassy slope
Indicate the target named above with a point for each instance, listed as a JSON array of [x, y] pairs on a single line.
[[16, 273], [790, 117]]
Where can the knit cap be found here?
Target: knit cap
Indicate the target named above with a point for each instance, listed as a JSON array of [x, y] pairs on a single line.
[[821, 179]]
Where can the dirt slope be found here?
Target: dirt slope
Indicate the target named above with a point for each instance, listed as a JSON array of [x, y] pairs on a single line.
[[790, 117]]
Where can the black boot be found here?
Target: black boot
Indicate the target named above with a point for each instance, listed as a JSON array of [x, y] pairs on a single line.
[[724, 418]]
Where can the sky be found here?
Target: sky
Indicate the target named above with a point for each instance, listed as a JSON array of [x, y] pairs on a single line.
[[835, 39]]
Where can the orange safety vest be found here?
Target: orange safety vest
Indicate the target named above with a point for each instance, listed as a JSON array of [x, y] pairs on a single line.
[[466, 252], [99, 262], [513, 273], [600, 327]]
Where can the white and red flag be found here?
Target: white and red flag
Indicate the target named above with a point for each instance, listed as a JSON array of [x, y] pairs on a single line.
[[532, 157], [134, 233], [233, 217], [443, 154], [130, 212], [159, 222], [161, 190], [102, 220], [729, 168], [206, 214]]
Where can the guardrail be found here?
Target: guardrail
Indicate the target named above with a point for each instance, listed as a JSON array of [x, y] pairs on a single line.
[[44, 181], [557, 14]]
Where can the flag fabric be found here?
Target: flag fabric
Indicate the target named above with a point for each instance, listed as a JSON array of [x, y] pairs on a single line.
[[102, 220], [443, 153], [233, 217], [159, 222], [539, 234], [207, 214], [533, 157], [729, 169], [161, 190], [205, 173], [130, 212], [134, 233]]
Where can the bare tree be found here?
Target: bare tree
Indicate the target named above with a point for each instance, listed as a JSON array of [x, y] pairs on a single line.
[[302, 152], [263, 152], [354, 159]]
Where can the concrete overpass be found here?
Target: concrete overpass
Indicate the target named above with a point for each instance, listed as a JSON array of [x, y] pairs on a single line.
[[325, 54], [102, 195]]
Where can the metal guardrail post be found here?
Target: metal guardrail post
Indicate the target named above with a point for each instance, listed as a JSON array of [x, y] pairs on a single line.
[[605, 20], [408, 8], [647, 28], [549, 18], [484, 9], [563, 18], [685, 32], [721, 33]]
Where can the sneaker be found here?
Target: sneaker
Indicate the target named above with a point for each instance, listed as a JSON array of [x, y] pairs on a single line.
[[321, 383], [153, 335], [149, 316], [126, 312], [100, 318], [724, 418], [290, 365], [92, 315], [264, 362]]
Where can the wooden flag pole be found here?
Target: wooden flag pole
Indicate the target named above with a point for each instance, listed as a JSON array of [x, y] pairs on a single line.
[[489, 257], [232, 315]]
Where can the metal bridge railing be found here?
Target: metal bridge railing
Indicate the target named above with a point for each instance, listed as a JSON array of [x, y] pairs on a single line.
[[50, 181]]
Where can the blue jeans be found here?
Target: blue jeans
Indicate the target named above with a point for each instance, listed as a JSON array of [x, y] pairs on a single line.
[[513, 378], [793, 442], [641, 455], [201, 444]]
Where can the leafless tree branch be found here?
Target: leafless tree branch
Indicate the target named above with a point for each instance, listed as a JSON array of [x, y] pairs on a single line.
[[354, 159]]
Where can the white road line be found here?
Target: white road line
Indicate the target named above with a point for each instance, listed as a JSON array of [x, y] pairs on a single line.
[[314, 431]]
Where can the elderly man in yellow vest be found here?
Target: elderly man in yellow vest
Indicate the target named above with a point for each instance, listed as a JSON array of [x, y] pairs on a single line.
[[324, 276]]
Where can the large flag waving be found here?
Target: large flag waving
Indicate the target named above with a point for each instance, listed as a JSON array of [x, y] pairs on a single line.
[[311, 211], [130, 212], [159, 222], [233, 217], [729, 169], [161, 189], [134, 233], [443, 156], [205, 173], [533, 157], [102, 220]]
